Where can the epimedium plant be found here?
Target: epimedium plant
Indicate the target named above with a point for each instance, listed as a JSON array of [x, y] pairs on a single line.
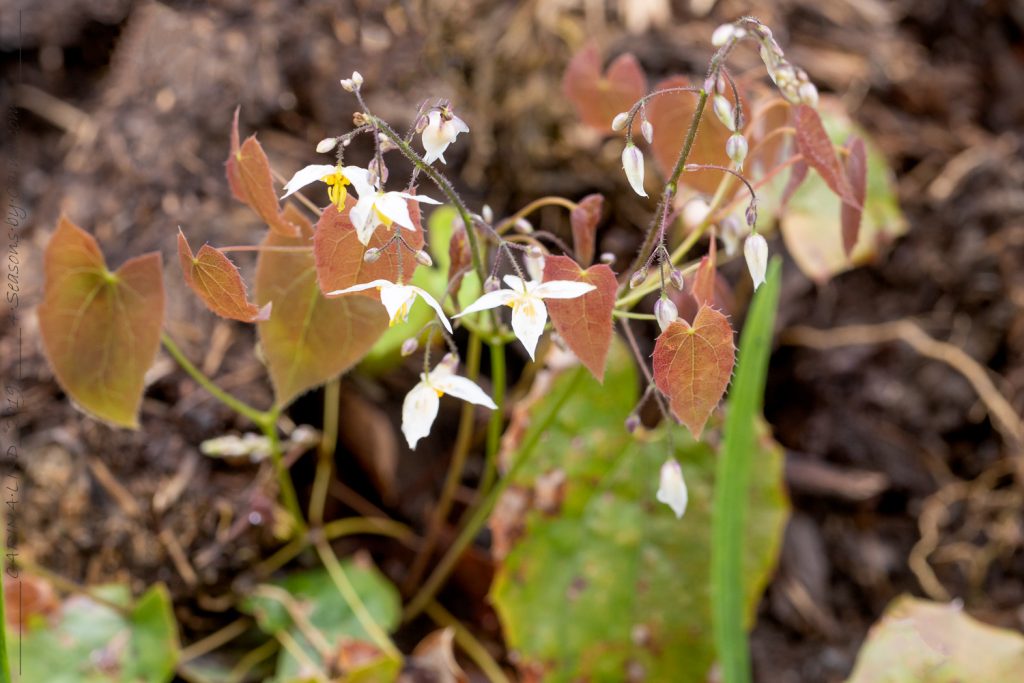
[[330, 282]]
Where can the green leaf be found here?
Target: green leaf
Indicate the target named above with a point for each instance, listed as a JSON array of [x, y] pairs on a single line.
[[918, 641], [736, 469], [100, 330], [88, 642], [328, 612], [600, 580]]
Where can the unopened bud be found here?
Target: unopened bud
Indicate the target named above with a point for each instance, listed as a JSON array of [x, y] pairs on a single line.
[[619, 122], [755, 251], [409, 346], [421, 123], [633, 165], [487, 213], [724, 111], [523, 226], [378, 171], [736, 149], [695, 213], [491, 284], [808, 94], [632, 423], [423, 258], [372, 255], [357, 79], [638, 278], [676, 278], [607, 258], [752, 213], [347, 84], [326, 145], [665, 312], [723, 34], [647, 130], [386, 144]]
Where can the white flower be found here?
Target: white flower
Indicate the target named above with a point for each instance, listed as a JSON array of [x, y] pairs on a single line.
[[633, 165], [376, 207], [442, 128], [672, 488], [529, 314], [665, 312], [420, 407], [755, 251], [398, 299], [336, 178]]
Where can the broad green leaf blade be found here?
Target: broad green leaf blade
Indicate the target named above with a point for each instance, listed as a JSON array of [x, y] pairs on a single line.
[[585, 322], [216, 280], [309, 339], [918, 641], [736, 469], [329, 614], [600, 580], [100, 330], [87, 642]]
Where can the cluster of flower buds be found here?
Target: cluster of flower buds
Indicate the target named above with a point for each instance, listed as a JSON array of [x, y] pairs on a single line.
[[791, 81], [352, 84]]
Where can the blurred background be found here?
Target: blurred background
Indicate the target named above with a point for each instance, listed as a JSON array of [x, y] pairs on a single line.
[[902, 477]]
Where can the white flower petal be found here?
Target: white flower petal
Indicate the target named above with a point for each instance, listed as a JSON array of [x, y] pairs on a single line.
[[360, 179], [672, 487], [528, 317], [489, 300], [393, 206], [633, 165], [535, 266], [398, 299], [460, 387], [418, 413], [433, 303], [361, 287], [755, 251], [458, 125], [562, 289], [422, 198], [434, 140], [364, 218], [305, 176], [515, 282]]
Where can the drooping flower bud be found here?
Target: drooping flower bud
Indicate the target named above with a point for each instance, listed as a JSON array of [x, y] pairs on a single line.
[[723, 34], [619, 122], [724, 111], [357, 79], [695, 213], [487, 213], [647, 130], [633, 165], [632, 423], [492, 284], [672, 487], [676, 278], [535, 263], [665, 312], [755, 251], [607, 258], [423, 258], [523, 226], [409, 346], [736, 149], [638, 278], [326, 145], [751, 213], [808, 94], [372, 254]]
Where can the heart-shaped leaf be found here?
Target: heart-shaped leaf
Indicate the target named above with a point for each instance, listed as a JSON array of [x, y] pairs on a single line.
[[856, 167], [100, 330], [601, 581], [814, 144], [693, 365], [252, 183], [599, 97], [585, 323], [584, 219], [339, 253], [309, 339], [216, 280]]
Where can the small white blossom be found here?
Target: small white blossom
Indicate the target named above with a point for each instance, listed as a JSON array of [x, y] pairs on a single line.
[[633, 165], [529, 314], [755, 251], [336, 178], [441, 130], [672, 487], [665, 312], [398, 299], [376, 207], [421, 404], [619, 122]]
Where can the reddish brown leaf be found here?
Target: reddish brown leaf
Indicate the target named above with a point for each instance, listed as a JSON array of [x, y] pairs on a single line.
[[856, 168], [339, 254], [814, 144], [671, 115], [584, 219], [460, 258], [796, 178], [309, 339], [248, 171], [100, 330], [598, 98], [216, 280], [585, 322], [693, 365], [704, 279]]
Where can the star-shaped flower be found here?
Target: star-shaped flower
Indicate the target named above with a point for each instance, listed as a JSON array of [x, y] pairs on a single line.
[[376, 207], [529, 314], [336, 178], [398, 299], [441, 130], [420, 407]]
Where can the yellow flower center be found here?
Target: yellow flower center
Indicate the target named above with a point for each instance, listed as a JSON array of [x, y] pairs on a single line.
[[336, 188]]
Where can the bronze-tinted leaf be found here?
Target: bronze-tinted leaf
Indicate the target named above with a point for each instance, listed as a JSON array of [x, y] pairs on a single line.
[[100, 330], [584, 219], [339, 254], [813, 143], [216, 280], [856, 168], [599, 97], [248, 171], [309, 339], [585, 322], [460, 258], [693, 365]]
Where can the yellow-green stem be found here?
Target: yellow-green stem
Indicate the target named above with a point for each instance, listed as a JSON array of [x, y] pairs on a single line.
[[284, 479], [325, 454], [465, 639]]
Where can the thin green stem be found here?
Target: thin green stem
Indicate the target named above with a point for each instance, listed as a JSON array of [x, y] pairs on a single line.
[[355, 603], [256, 416], [440, 574], [465, 639], [5, 666], [240, 671], [284, 479], [494, 427], [325, 454], [214, 640], [531, 207]]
